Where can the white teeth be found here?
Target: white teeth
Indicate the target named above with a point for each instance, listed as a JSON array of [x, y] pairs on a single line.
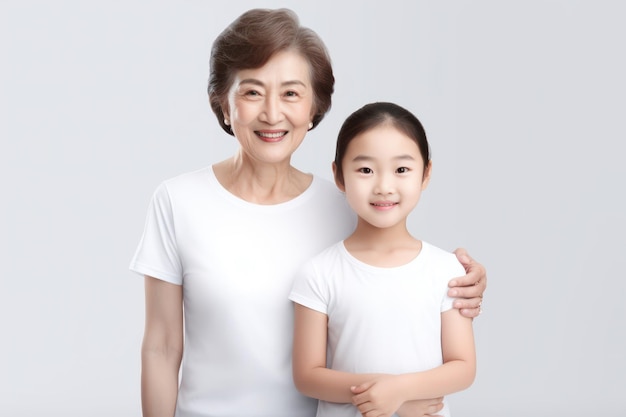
[[271, 135]]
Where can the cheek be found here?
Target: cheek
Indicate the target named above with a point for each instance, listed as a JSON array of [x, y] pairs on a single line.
[[308, 111], [303, 117], [356, 190], [240, 113]]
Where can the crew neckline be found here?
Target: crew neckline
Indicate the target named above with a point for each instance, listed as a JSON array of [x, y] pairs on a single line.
[[382, 269], [299, 199]]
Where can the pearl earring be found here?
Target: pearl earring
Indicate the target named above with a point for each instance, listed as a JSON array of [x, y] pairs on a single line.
[[310, 125], [227, 122]]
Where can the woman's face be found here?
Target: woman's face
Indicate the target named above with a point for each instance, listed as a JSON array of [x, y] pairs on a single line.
[[269, 108]]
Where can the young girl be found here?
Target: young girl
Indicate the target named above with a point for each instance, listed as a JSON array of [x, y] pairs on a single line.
[[374, 327]]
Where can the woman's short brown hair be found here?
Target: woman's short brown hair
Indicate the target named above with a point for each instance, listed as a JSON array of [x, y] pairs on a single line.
[[251, 40]]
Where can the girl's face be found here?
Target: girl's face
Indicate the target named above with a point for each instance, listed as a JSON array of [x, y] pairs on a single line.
[[269, 108], [383, 176]]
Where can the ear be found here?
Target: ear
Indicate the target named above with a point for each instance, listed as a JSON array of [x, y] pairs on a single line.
[[338, 183], [427, 172], [225, 110]]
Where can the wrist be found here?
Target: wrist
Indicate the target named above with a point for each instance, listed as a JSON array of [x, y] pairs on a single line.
[[402, 385]]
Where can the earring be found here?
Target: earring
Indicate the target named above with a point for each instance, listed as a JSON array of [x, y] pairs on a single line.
[[310, 125], [227, 122]]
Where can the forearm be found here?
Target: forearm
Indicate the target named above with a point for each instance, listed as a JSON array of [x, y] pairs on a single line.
[[446, 379], [162, 348], [330, 385], [159, 383]]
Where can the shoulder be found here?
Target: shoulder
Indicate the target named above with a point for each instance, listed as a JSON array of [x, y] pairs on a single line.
[[332, 252], [325, 260], [442, 260], [178, 190], [183, 184], [191, 178], [317, 272]]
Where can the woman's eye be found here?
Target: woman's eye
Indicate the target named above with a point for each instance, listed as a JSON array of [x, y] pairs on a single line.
[[252, 93], [291, 94]]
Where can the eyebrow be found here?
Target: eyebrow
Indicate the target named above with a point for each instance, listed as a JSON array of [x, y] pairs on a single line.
[[254, 81], [366, 158]]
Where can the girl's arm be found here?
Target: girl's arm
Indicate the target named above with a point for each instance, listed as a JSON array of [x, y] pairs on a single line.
[[385, 393], [310, 374], [162, 348]]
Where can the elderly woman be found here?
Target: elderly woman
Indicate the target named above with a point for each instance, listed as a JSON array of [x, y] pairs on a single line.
[[221, 244]]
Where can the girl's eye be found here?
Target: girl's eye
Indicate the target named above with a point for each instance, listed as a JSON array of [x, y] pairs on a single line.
[[402, 170], [365, 170]]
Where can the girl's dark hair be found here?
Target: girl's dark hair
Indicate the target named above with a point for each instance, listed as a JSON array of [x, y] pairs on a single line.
[[372, 115], [251, 40]]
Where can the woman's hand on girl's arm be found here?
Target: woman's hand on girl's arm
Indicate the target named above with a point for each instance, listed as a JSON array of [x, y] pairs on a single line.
[[469, 288]]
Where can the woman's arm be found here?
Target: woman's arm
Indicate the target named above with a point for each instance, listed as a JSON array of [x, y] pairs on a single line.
[[162, 348], [469, 288], [385, 394], [310, 374]]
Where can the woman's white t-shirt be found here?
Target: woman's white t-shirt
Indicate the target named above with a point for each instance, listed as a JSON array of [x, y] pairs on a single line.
[[236, 261]]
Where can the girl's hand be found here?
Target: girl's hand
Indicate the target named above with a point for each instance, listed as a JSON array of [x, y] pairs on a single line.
[[421, 408], [378, 398], [469, 288]]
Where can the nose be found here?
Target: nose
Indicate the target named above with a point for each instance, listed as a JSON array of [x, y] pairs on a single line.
[[272, 111], [384, 184]]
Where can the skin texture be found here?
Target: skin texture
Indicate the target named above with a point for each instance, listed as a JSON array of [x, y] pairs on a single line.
[[162, 347], [383, 180]]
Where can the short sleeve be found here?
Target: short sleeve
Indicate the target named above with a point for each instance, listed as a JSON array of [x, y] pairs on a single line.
[[454, 269], [309, 289], [157, 254]]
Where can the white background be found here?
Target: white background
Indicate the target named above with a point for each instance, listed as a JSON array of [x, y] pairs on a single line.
[[524, 103]]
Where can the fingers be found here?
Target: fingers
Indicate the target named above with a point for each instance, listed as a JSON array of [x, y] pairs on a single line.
[[422, 408], [476, 275], [471, 285], [434, 408], [461, 252], [474, 290], [471, 312], [470, 308], [361, 388], [469, 289]]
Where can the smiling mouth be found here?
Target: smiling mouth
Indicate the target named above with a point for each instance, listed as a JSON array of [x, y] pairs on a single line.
[[386, 204], [271, 135]]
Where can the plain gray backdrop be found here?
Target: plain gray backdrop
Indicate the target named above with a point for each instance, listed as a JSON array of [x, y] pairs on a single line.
[[524, 105]]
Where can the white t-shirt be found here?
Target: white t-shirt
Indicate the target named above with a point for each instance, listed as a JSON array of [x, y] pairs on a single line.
[[380, 320], [236, 261]]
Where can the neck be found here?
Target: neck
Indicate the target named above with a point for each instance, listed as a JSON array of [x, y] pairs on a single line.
[[383, 247], [261, 183]]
